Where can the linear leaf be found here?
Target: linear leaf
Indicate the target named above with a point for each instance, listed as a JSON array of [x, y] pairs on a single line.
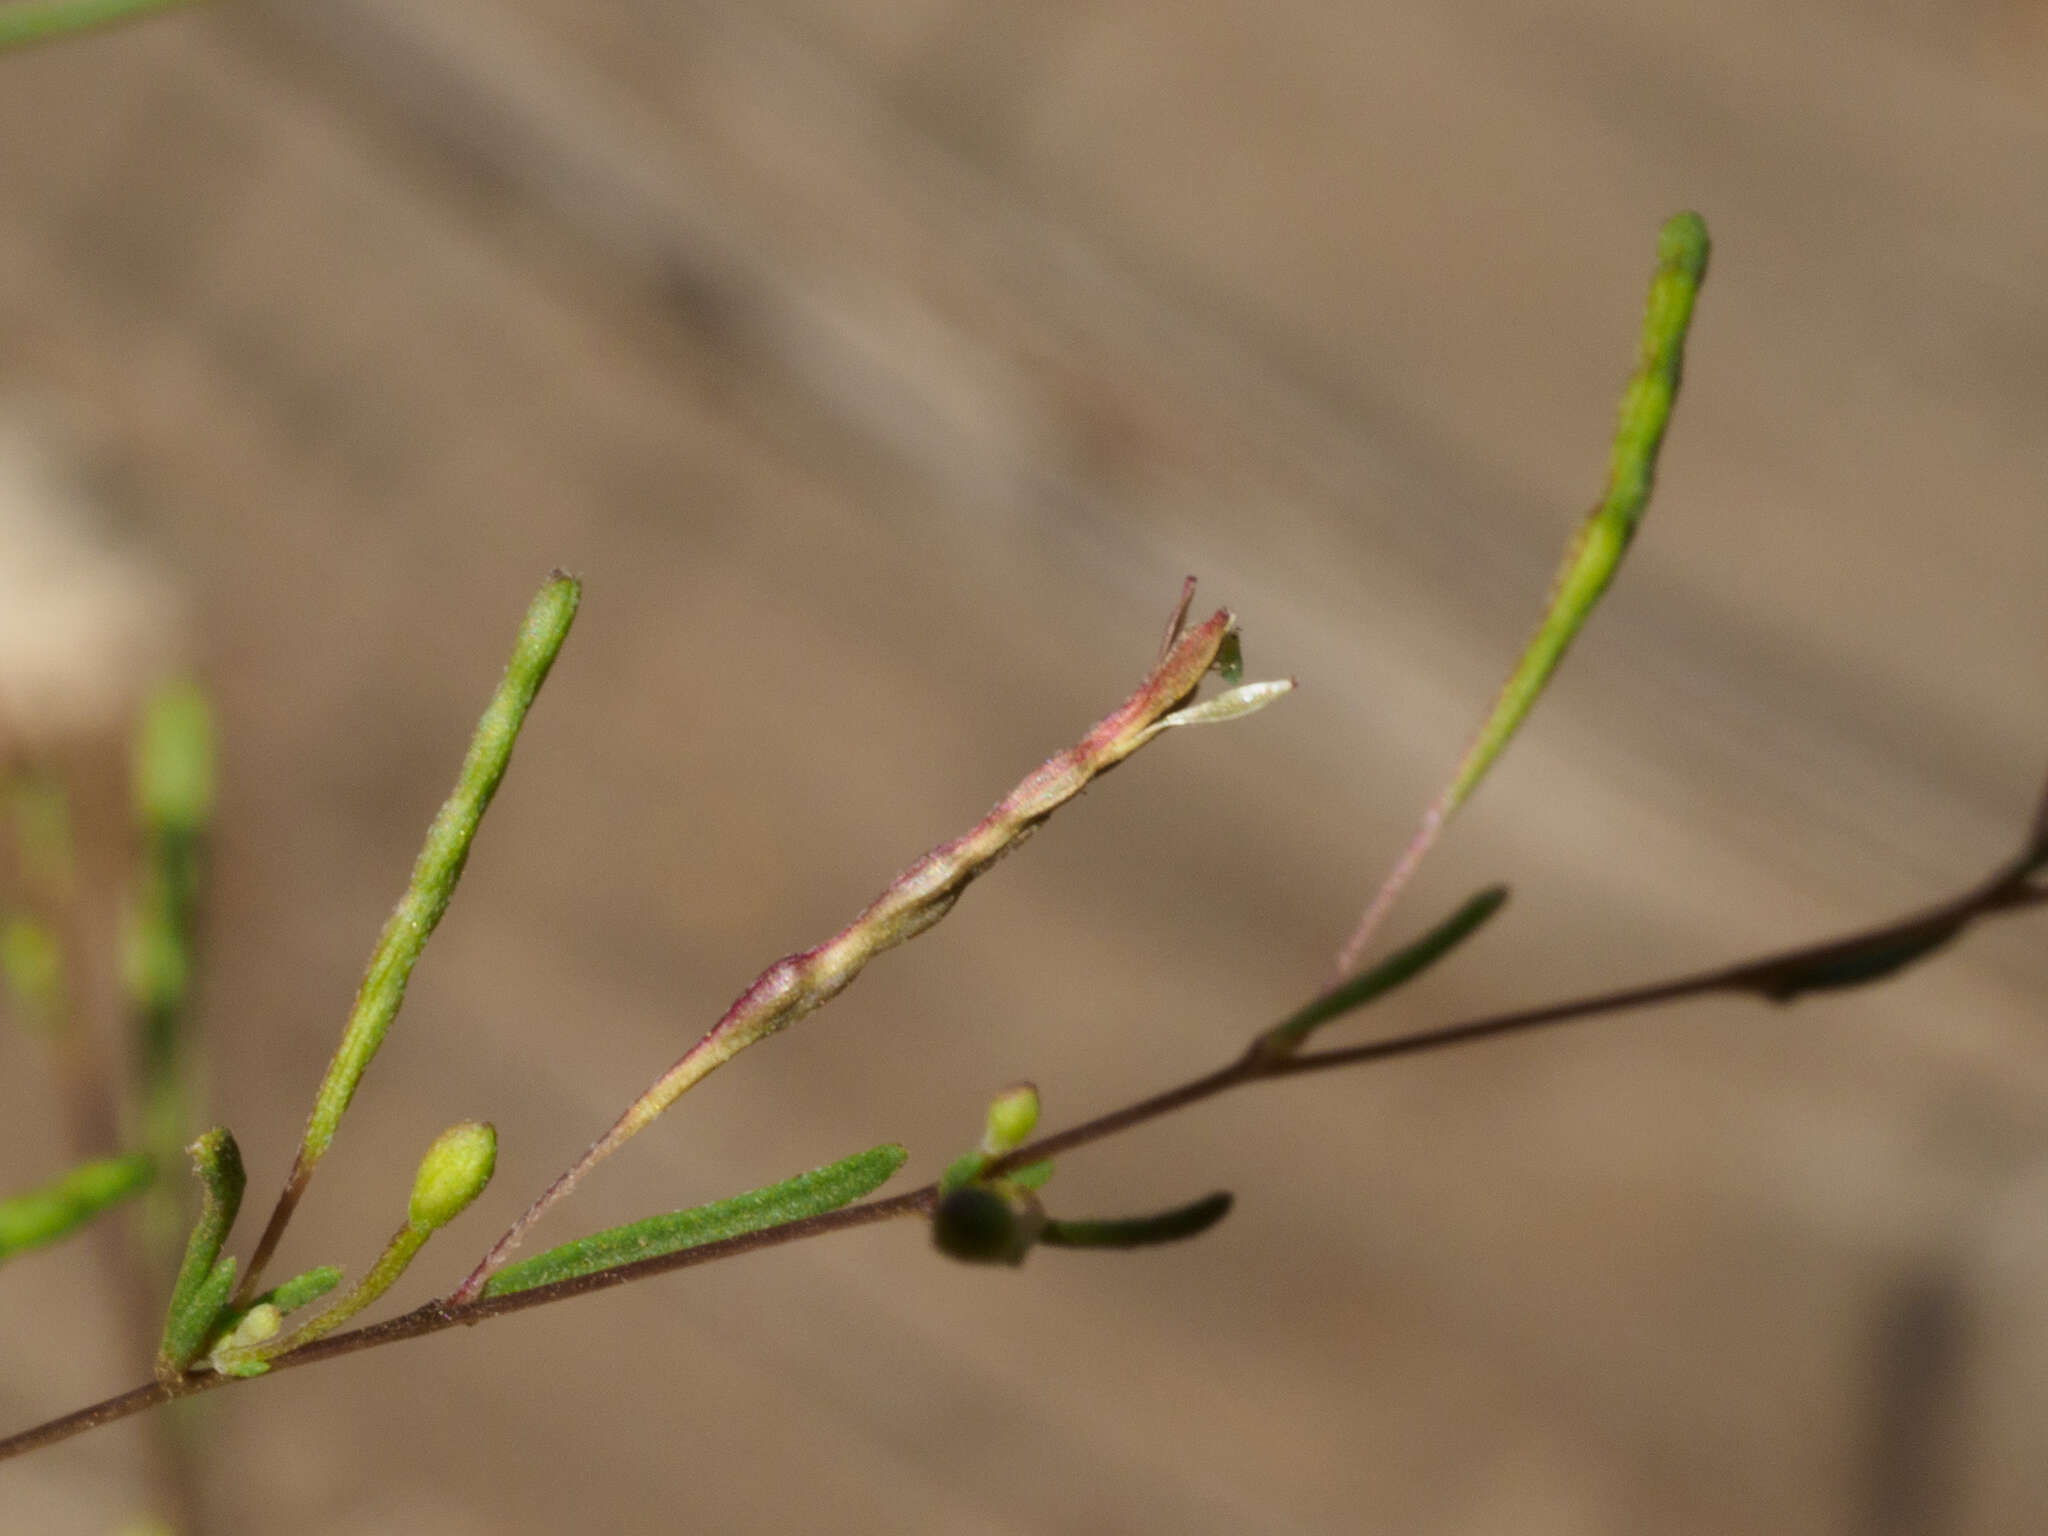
[[1399, 968], [188, 1328], [809, 1194], [40, 1216], [193, 1309], [1139, 1231]]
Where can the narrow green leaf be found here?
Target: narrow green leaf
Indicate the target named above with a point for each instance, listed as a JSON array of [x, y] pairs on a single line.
[[41, 1216], [279, 1301], [1032, 1175], [809, 1194], [194, 1308], [1139, 1231], [1399, 968], [963, 1170], [188, 1329], [303, 1290], [441, 860], [37, 21], [1856, 965]]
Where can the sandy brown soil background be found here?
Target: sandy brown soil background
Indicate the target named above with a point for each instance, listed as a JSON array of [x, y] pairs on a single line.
[[883, 368]]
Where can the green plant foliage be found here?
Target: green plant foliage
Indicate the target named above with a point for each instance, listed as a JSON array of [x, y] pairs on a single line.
[[986, 1224], [454, 1172], [441, 860], [40, 21], [189, 1327], [1397, 970], [194, 1304], [40, 1216], [1140, 1231], [302, 1290], [808, 1194], [1858, 965], [1595, 552]]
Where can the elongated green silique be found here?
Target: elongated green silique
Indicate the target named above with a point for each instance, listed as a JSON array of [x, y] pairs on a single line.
[[441, 860], [39, 21], [1398, 969], [40, 1216], [808, 1194], [197, 1297], [1595, 552]]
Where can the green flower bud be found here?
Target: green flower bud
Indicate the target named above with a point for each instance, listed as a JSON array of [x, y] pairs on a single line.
[[979, 1225], [260, 1322], [174, 760], [1011, 1118], [454, 1172]]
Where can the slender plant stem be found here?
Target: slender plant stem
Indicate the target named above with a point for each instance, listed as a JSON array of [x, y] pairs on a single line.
[[1778, 976]]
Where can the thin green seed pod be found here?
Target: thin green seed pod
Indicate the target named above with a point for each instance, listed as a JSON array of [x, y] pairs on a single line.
[[1595, 551], [441, 860], [809, 1194]]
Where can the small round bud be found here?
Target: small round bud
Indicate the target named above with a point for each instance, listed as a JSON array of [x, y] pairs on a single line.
[[454, 1172], [261, 1322], [979, 1225], [1012, 1116]]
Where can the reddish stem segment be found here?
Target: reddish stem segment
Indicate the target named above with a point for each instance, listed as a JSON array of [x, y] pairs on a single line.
[[916, 899]]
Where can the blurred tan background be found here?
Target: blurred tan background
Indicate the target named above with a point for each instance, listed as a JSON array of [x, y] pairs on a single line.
[[883, 368]]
